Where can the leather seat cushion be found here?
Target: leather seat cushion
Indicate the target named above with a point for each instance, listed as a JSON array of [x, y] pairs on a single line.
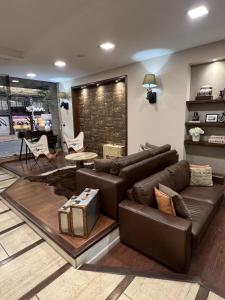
[[207, 194], [201, 214]]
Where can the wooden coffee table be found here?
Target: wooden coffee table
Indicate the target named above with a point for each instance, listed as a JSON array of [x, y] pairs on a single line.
[[81, 157]]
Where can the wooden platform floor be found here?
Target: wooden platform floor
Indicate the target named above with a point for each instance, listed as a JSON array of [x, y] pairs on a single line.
[[39, 204], [21, 168], [207, 267]]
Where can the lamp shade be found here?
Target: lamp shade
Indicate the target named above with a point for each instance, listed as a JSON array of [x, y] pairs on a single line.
[[149, 81], [63, 95]]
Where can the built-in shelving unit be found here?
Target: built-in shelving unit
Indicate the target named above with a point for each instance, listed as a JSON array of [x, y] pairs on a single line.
[[203, 102], [204, 152], [204, 144], [204, 124], [200, 105]]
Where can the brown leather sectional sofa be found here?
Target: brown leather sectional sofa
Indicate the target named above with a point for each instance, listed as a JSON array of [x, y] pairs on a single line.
[[123, 174], [166, 238]]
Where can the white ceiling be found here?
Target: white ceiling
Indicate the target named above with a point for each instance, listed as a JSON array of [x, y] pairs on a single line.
[[34, 33]]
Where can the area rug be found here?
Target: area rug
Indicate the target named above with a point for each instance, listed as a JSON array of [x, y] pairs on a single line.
[[63, 180]]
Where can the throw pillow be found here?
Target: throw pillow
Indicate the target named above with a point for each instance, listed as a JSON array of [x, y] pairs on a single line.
[[201, 175], [178, 202], [165, 203], [103, 165]]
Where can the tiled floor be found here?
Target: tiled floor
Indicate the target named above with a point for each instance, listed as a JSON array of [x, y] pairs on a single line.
[[85, 285], [8, 220], [145, 288], [18, 239], [31, 269]]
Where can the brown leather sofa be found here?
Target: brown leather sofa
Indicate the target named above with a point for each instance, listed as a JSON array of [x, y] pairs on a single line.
[[123, 174], [166, 238]]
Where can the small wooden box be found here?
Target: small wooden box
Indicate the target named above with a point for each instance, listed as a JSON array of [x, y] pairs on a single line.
[[112, 150], [85, 212]]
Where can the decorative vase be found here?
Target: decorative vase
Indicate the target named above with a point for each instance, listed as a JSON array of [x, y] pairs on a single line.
[[196, 138], [47, 126]]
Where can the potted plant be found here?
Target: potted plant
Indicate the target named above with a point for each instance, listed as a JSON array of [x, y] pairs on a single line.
[[196, 133]]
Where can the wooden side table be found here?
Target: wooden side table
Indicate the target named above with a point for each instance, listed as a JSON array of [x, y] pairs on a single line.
[[81, 157]]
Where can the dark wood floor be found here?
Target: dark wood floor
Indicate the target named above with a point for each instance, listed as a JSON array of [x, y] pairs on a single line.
[[38, 202], [21, 168], [208, 263]]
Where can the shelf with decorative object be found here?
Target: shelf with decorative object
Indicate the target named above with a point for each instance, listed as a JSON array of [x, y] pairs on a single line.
[[201, 102], [203, 143], [205, 124]]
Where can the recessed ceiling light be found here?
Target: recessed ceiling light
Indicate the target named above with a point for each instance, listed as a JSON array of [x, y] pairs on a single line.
[[15, 81], [107, 46], [31, 75], [60, 63], [198, 12]]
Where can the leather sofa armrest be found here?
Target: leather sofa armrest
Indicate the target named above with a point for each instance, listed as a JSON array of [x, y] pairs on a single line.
[[218, 178], [112, 189], [163, 237]]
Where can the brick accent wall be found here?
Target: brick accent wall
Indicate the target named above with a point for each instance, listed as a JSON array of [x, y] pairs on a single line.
[[103, 115]]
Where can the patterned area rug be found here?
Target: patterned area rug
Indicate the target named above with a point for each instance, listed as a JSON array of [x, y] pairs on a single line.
[[63, 180]]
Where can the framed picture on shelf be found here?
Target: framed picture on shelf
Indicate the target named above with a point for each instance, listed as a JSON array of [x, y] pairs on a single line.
[[211, 118]]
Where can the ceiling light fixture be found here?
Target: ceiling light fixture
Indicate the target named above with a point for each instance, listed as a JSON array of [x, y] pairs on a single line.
[[15, 81], [60, 63], [31, 75], [198, 12], [107, 46]]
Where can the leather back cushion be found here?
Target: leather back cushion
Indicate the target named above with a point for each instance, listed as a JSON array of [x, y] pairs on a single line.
[[143, 191], [181, 174], [103, 165], [176, 177], [123, 162], [147, 167]]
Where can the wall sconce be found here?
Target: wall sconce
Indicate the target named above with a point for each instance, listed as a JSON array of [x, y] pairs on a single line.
[[65, 102], [149, 83]]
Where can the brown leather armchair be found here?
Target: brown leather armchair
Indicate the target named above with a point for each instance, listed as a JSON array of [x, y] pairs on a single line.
[[163, 237], [166, 238]]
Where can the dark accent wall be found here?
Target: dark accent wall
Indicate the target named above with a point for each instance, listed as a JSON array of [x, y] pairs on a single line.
[[101, 113]]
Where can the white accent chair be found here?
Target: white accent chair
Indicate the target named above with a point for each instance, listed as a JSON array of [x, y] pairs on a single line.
[[40, 148], [76, 144]]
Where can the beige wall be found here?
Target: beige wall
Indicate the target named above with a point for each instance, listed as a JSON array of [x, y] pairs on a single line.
[[164, 122], [208, 74]]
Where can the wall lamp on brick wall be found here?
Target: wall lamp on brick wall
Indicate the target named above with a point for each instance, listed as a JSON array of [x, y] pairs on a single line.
[[149, 83]]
